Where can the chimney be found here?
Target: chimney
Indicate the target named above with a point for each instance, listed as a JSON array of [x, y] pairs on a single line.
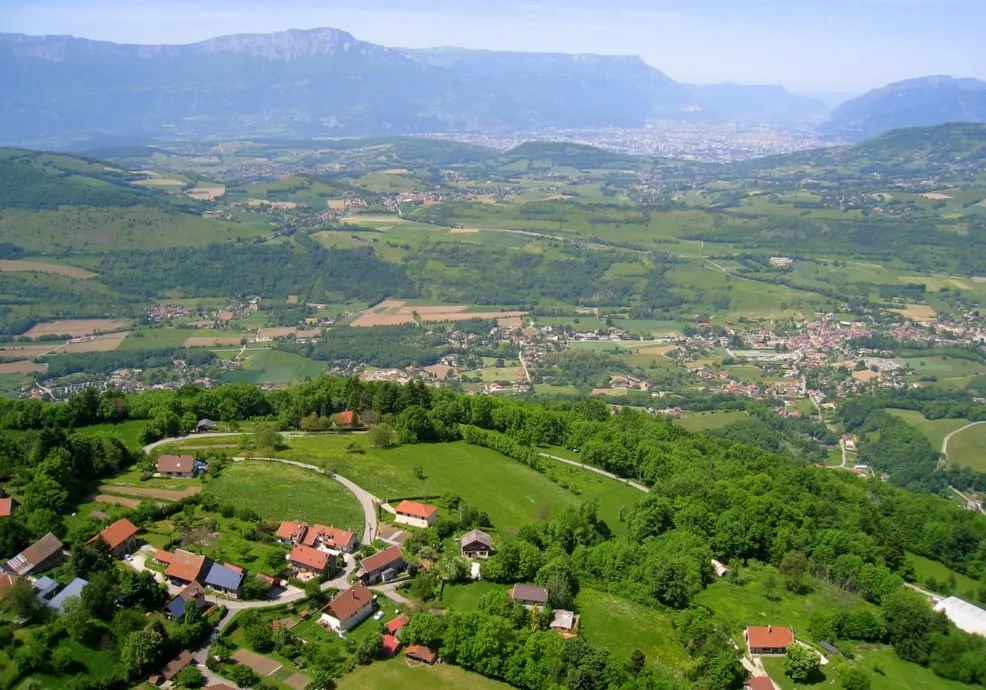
[[770, 628]]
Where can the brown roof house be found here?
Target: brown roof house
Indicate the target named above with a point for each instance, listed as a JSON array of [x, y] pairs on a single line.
[[45, 553], [120, 537], [309, 560], [476, 544], [421, 653], [177, 466], [185, 567], [290, 532], [172, 668], [6, 507], [348, 609], [382, 566], [529, 595], [333, 538], [7, 582], [416, 514], [765, 640]]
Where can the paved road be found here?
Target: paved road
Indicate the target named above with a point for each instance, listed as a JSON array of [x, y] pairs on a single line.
[[628, 482]]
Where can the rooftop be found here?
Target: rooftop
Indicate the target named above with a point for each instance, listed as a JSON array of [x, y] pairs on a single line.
[[966, 616], [116, 534], [6, 507], [185, 565], [529, 593], [347, 603], [72, 589], [474, 536], [773, 637], [418, 510], [329, 536], [176, 463], [224, 577], [38, 552], [307, 556], [381, 559], [397, 623]]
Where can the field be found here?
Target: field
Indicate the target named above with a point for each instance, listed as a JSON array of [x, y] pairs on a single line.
[[99, 343], [128, 432], [283, 492], [21, 367], [397, 312], [395, 673], [935, 430], [924, 568], [621, 626], [968, 448], [707, 421], [884, 667], [74, 327], [513, 494], [275, 367], [38, 267]]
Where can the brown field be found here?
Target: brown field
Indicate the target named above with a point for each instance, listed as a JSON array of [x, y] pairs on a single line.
[[203, 323], [918, 312], [511, 322], [75, 328], [21, 367], [935, 196], [439, 309], [395, 313], [152, 493], [261, 665], [26, 352], [37, 267], [396, 171], [308, 333], [463, 231], [293, 299], [101, 343], [336, 204], [271, 333], [277, 205], [465, 316], [439, 371], [225, 315], [206, 193], [865, 375], [211, 342], [117, 500], [662, 350]]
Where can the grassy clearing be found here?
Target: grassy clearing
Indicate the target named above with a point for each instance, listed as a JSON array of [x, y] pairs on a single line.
[[129, 432], [706, 421], [924, 568], [395, 673], [513, 494], [465, 597], [886, 670], [944, 367], [966, 448], [147, 338], [283, 492], [621, 626], [276, 368], [935, 430]]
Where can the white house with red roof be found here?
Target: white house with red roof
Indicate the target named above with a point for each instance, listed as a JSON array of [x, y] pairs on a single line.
[[415, 514]]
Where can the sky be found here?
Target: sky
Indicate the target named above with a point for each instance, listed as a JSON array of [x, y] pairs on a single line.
[[809, 46]]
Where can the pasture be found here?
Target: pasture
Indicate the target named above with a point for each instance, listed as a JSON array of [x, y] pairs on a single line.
[[397, 312], [275, 368], [707, 421], [925, 569], [968, 448], [74, 328], [935, 430], [7, 265], [395, 673]]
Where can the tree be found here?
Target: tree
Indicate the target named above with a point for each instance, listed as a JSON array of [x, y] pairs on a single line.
[[910, 624], [637, 661], [187, 423], [76, 619], [854, 679], [91, 558], [190, 677], [794, 567], [452, 568], [801, 663], [21, 601], [367, 649], [382, 435], [413, 425], [266, 435], [43, 492], [141, 650], [259, 636], [769, 585], [100, 595]]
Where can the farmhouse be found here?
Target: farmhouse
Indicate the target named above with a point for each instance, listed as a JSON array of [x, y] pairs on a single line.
[[120, 537], [225, 579], [333, 538], [309, 560], [190, 595], [529, 595], [45, 553], [476, 544], [381, 566], [764, 640], [291, 532], [419, 652], [176, 466], [172, 668], [348, 609], [185, 567], [416, 514]]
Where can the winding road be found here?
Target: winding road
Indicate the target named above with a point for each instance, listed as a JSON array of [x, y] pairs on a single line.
[[944, 443]]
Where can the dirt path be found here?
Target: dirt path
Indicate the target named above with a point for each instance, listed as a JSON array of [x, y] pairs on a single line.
[[628, 482], [117, 500], [167, 494]]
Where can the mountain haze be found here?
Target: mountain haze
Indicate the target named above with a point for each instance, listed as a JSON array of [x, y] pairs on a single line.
[[326, 82]]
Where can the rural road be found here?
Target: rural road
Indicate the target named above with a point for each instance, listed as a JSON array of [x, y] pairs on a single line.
[[628, 482]]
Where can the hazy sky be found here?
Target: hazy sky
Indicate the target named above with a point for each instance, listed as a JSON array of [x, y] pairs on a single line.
[[806, 45]]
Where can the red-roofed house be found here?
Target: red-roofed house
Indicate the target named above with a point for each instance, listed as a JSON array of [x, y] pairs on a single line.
[[421, 653], [6, 507], [120, 537], [381, 566], [291, 532], [394, 626], [162, 557], [322, 536], [390, 644], [176, 466], [308, 559], [416, 514], [768, 639], [186, 567]]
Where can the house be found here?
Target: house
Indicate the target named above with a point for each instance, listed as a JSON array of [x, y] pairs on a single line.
[[290, 532], [162, 557], [44, 587], [476, 544], [120, 537], [6, 507], [565, 621], [719, 568], [172, 668], [416, 514], [391, 645], [394, 626], [346, 418], [333, 538], [419, 652], [348, 609], [45, 553], [529, 595], [768, 639], [190, 595], [185, 567], [205, 425], [177, 466], [382, 566], [72, 589], [7, 582], [225, 579], [759, 683], [308, 559]]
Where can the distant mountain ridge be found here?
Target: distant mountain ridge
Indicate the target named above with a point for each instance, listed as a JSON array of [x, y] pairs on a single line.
[[327, 82], [922, 102]]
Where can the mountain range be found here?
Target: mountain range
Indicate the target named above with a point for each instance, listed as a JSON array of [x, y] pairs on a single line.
[[326, 82]]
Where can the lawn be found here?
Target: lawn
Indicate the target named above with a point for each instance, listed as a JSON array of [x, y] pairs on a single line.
[[967, 447], [283, 492], [621, 626], [129, 432], [925, 568], [706, 421], [395, 673], [944, 367], [465, 596], [276, 368], [511, 493]]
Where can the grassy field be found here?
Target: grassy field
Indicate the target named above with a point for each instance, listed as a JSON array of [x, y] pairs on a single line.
[[621, 626], [397, 674], [276, 368], [465, 596], [924, 568], [513, 494], [935, 430], [283, 492], [885, 669], [705, 421], [944, 367], [127, 431], [966, 448]]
